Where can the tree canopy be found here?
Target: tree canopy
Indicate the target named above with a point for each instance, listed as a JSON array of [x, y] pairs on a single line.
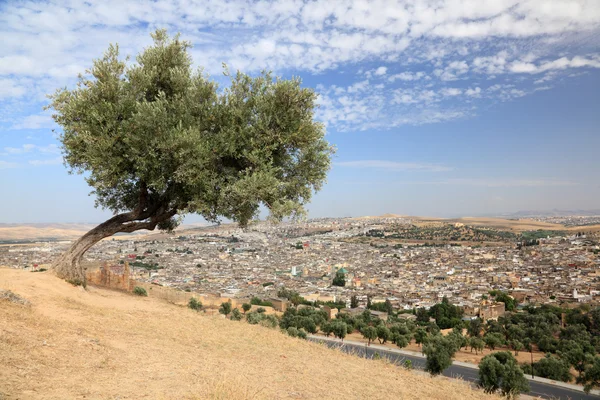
[[156, 138]]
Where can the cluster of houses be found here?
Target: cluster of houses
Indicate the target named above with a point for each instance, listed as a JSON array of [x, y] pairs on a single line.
[[228, 262]]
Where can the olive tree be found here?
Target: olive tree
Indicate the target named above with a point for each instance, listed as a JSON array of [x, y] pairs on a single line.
[[156, 139], [500, 371]]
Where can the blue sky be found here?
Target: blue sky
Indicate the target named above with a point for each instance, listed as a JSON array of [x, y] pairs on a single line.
[[441, 108]]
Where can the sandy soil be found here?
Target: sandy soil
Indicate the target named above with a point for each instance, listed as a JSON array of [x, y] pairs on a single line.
[[98, 344]]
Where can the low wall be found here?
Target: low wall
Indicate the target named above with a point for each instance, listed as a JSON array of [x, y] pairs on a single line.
[[118, 277]]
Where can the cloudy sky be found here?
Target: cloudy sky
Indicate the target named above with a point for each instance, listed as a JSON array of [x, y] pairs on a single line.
[[446, 108]]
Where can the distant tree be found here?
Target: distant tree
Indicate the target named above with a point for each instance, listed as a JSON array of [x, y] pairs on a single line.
[[550, 367], [339, 279], [401, 340], [516, 346], [500, 371], [383, 334], [353, 301], [591, 378], [369, 333], [340, 329], [246, 307], [474, 327], [225, 308], [327, 328], [439, 352], [388, 306], [155, 138], [573, 352], [493, 340], [476, 343], [236, 315], [510, 304], [420, 336], [422, 316]]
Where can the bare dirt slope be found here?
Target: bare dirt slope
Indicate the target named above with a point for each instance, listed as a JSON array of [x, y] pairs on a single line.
[[98, 344]]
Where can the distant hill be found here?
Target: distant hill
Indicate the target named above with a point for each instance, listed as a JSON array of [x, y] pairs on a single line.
[[550, 213], [100, 344]]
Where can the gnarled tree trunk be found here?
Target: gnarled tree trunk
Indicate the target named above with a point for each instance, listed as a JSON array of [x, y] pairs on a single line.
[[68, 265]]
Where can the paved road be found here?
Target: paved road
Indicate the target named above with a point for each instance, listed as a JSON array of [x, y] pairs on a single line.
[[456, 371]]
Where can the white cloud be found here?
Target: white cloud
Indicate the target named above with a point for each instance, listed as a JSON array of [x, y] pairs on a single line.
[[380, 71], [393, 165], [51, 161], [38, 121], [407, 76], [418, 44]]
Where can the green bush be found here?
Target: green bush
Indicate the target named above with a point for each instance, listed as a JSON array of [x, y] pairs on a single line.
[[140, 291], [195, 304]]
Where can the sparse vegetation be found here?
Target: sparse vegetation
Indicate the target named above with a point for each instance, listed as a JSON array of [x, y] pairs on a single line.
[[140, 291], [195, 304]]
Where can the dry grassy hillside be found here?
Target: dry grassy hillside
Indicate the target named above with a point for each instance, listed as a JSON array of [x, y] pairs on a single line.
[[99, 344]]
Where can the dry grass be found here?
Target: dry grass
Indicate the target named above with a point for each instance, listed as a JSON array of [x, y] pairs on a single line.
[[101, 344]]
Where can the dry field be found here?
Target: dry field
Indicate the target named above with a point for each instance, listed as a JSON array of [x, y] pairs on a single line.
[[99, 344]]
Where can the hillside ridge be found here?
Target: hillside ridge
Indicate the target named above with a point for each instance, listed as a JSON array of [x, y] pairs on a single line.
[[102, 344]]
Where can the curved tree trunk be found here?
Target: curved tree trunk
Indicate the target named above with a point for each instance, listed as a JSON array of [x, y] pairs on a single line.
[[68, 265]]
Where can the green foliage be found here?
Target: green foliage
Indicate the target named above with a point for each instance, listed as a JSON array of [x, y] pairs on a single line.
[[339, 329], [157, 137], [510, 304], [295, 332], [407, 364], [383, 333], [195, 304], [550, 367], [353, 301], [339, 279], [260, 310], [308, 318], [500, 371], [493, 340], [76, 282], [446, 315], [369, 333], [39, 270], [258, 302], [439, 352], [140, 291], [420, 336], [225, 308], [246, 307], [591, 378], [236, 315], [476, 344]]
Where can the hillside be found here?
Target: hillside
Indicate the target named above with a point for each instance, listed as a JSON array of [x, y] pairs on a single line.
[[98, 344]]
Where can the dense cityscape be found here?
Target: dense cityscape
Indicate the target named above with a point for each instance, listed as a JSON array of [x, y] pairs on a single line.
[[378, 258]]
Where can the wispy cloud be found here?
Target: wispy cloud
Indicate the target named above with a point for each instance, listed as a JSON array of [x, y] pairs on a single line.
[[7, 164], [51, 161], [393, 165]]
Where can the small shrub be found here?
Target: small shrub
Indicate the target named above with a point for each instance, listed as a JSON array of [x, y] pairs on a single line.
[[260, 310], [76, 282], [236, 315], [140, 291], [195, 304], [408, 364], [39, 270]]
